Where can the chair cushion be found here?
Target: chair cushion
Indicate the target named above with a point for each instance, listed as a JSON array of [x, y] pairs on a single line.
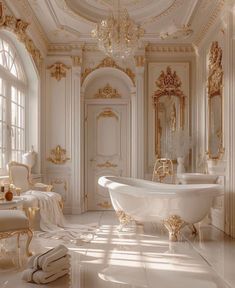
[[30, 201], [11, 220]]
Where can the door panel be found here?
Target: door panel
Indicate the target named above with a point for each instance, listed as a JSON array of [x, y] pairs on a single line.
[[107, 150]]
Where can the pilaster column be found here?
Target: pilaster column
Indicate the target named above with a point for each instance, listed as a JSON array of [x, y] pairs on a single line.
[[77, 120], [140, 62]]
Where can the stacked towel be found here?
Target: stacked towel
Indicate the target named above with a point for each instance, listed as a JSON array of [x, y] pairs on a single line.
[[49, 266]]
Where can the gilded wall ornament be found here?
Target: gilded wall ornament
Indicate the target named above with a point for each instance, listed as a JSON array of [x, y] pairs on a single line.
[[163, 168], [169, 85], [215, 77], [107, 113], [58, 155], [139, 60], [107, 92], [76, 60], [107, 164], [215, 96], [58, 70], [18, 27], [109, 62]]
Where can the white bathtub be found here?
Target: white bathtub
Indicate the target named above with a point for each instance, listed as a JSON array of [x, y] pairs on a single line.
[[147, 201]]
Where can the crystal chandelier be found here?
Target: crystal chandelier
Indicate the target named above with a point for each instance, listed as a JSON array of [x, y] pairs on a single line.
[[118, 35]]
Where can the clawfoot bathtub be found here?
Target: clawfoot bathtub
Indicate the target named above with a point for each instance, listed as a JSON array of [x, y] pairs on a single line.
[[173, 205]]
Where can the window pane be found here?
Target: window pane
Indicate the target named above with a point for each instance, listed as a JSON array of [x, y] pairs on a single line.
[[20, 117], [13, 114], [2, 145], [14, 94], [13, 138], [21, 98], [9, 60], [12, 107], [14, 70]]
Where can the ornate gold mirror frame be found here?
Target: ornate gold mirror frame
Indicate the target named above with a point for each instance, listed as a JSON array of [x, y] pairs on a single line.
[[215, 103], [169, 85]]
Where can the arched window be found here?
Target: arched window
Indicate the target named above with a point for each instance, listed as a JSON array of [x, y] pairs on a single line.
[[13, 87]]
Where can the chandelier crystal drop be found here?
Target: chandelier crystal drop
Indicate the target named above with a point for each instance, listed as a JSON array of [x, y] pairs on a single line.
[[118, 36]]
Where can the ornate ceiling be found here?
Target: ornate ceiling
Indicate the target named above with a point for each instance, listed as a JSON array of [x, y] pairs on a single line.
[[164, 21]]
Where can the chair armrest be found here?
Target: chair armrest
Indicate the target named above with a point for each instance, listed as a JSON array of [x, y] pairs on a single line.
[[42, 187]]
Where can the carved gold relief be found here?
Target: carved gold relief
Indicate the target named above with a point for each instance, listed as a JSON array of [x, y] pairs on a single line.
[[215, 78], [174, 224], [169, 85], [139, 60], [58, 155], [215, 102], [107, 113], [107, 164], [18, 27], [105, 205], [109, 62], [19, 232], [123, 217], [58, 70], [76, 60], [60, 181], [162, 169], [107, 92]]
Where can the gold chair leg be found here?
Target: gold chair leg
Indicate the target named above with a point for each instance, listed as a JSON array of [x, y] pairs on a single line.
[[30, 236]]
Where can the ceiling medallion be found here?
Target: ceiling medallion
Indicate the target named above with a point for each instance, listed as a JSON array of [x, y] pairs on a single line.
[[118, 36]]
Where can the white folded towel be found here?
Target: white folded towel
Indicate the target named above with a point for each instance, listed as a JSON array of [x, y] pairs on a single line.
[[48, 267], [41, 277], [43, 260]]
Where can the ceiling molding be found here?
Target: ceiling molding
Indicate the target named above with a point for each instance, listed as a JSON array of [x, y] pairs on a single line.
[[22, 7], [62, 4], [170, 48], [19, 27], [61, 47], [213, 18], [165, 13]]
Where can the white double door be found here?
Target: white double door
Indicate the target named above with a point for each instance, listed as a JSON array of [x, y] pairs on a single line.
[[107, 149]]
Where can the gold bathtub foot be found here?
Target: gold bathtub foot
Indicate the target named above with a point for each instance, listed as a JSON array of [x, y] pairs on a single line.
[[124, 218], [174, 224]]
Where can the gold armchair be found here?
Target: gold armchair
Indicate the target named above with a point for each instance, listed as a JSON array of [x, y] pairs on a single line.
[[19, 176], [14, 222]]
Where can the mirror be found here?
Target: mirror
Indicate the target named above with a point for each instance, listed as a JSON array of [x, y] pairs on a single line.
[[169, 104], [215, 103]]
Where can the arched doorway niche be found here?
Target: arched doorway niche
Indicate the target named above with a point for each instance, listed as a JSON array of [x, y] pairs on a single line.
[[122, 107]]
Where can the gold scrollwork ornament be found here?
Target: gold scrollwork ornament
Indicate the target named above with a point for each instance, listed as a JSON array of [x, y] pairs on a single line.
[[58, 70], [107, 92], [58, 155]]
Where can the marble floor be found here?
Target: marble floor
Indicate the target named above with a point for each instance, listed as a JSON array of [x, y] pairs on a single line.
[[138, 257]]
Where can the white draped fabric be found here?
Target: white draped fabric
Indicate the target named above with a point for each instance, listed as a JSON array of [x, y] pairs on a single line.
[[53, 222]]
